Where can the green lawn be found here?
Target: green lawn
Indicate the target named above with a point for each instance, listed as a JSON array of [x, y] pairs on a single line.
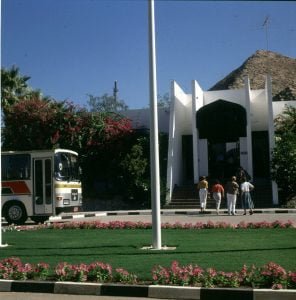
[[223, 249]]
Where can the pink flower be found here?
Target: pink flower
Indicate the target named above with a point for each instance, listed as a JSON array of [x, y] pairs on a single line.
[[277, 286], [212, 272]]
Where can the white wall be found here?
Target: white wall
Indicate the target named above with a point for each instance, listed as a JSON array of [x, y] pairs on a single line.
[[249, 125], [235, 96], [197, 103], [180, 124], [140, 118], [259, 111], [279, 106]]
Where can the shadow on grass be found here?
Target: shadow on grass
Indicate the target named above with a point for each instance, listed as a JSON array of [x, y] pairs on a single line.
[[137, 251]]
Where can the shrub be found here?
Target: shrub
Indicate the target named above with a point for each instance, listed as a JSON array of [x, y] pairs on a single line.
[[270, 275], [99, 272], [123, 276], [291, 203], [292, 280], [68, 272], [250, 276], [274, 276], [227, 279], [13, 268]]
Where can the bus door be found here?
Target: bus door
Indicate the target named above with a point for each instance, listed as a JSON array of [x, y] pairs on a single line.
[[43, 189]]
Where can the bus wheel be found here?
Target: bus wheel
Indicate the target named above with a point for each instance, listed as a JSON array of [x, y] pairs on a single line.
[[15, 213], [39, 219]]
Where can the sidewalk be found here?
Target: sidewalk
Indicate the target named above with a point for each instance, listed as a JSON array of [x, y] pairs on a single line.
[[210, 214]]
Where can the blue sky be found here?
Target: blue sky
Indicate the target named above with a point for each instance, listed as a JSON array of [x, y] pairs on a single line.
[[72, 48]]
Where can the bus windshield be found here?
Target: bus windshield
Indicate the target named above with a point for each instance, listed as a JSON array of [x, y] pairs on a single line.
[[66, 167]]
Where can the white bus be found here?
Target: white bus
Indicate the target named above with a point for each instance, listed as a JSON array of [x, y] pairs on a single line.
[[39, 184]]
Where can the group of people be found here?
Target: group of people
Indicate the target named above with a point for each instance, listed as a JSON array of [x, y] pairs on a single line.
[[238, 185]]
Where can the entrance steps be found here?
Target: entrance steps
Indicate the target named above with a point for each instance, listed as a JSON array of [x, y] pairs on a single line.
[[186, 197]]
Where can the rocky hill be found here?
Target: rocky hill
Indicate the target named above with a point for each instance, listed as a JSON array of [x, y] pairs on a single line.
[[281, 68]]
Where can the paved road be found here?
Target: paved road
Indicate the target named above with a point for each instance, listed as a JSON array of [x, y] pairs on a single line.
[[39, 296]]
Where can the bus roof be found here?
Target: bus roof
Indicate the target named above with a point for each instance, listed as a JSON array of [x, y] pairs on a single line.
[[40, 151]]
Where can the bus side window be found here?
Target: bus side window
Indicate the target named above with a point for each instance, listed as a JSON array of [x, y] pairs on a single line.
[[5, 169], [16, 166]]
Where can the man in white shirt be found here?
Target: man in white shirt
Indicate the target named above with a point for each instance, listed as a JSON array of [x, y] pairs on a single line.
[[246, 188]]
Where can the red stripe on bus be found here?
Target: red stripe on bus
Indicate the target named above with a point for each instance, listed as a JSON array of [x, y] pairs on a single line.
[[17, 187]]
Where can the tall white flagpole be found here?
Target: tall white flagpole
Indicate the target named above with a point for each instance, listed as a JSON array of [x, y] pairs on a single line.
[[1, 245], [154, 150]]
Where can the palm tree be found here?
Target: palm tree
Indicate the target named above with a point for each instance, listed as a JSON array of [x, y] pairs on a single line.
[[13, 87]]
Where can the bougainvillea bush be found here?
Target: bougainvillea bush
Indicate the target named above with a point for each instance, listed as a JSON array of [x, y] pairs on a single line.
[[270, 275]]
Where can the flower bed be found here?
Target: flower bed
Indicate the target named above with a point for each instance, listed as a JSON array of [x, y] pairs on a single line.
[[148, 225], [270, 275], [13, 268]]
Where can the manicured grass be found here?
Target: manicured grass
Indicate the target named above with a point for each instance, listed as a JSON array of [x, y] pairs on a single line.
[[223, 249]]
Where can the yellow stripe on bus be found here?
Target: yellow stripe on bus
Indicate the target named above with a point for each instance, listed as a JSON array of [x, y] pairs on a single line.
[[67, 185]]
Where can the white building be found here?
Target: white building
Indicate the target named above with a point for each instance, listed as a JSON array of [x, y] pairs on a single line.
[[212, 133]]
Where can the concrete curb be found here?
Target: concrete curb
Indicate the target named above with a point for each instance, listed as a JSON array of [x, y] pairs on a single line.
[[145, 291], [68, 216]]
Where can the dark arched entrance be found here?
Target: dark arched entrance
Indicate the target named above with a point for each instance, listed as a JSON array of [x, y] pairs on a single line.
[[222, 123]]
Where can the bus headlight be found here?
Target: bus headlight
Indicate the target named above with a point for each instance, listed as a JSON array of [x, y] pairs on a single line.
[[59, 198]]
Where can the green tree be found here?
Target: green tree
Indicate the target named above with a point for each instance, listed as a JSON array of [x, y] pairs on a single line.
[[105, 103], [14, 86], [163, 101], [283, 166], [285, 95], [139, 159], [133, 167]]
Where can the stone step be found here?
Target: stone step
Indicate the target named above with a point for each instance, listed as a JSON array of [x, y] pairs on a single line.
[[187, 196], [183, 203], [185, 200], [186, 204], [181, 206]]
